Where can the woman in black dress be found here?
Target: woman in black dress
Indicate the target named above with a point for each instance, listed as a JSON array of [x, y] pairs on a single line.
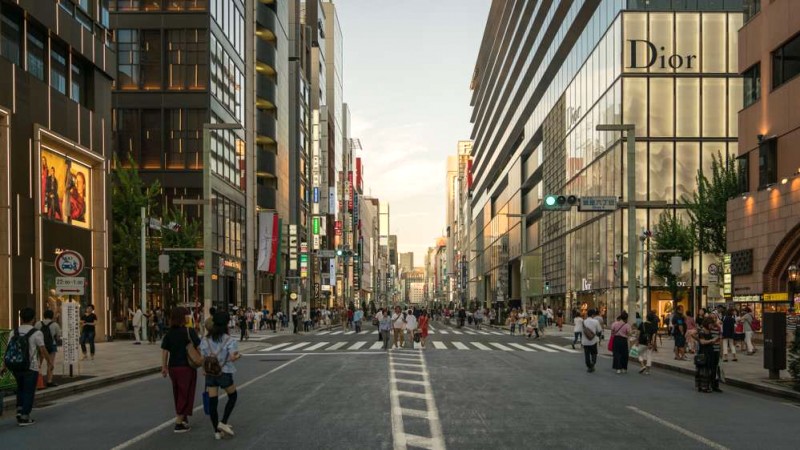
[[707, 358]]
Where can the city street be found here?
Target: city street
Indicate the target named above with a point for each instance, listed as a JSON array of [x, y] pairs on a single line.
[[469, 390]]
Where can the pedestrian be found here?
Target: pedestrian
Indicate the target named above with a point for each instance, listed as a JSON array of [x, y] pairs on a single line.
[[533, 327], [647, 339], [175, 363], [522, 320], [542, 321], [691, 331], [152, 327], [295, 319], [706, 359], [747, 323], [411, 327], [478, 316], [385, 328], [728, 334], [399, 325], [24, 353], [560, 319], [137, 316], [590, 338], [358, 316], [243, 326], [679, 333], [423, 328], [51, 332], [511, 322], [220, 351], [577, 328], [88, 322], [549, 313], [620, 330], [602, 323]]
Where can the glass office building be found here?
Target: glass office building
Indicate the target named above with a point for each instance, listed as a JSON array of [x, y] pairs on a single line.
[[669, 67]]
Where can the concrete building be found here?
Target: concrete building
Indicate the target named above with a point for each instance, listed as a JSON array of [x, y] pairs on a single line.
[[57, 64], [407, 261], [764, 224], [669, 68]]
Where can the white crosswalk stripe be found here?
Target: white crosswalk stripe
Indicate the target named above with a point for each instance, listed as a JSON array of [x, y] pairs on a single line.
[[295, 346], [377, 345], [357, 345], [497, 333], [275, 347], [480, 346], [501, 347], [543, 348], [350, 332], [457, 332], [470, 332], [459, 345], [316, 346], [563, 349], [322, 333], [440, 345], [469, 344], [522, 347], [337, 332], [443, 332], [337, 346], [431, 331]]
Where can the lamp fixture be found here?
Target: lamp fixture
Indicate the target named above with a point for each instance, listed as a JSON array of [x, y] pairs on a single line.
[[784, 181]]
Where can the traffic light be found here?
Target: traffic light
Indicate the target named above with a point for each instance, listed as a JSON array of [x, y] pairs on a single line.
[[339, 252], [559, 202]]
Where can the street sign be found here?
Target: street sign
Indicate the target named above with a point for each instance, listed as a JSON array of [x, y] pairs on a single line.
[[69, 263], [598, 203], [70, 285], [326, 254], [713, 279], [70, 331], [712, 269], [163, 263]]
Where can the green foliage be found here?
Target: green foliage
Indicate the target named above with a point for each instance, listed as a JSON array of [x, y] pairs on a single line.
[[671, 233], [128, 195], [708, 206], [794, 359]]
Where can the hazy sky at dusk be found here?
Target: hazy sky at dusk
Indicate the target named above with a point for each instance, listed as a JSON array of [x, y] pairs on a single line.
[[407, 67]]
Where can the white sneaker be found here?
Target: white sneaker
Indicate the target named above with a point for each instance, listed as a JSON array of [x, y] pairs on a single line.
[[217, 435], [225, 428]]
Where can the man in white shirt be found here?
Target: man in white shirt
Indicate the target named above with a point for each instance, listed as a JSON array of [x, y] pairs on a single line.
[[411, 327], [398, 325], [26, 379], [591, 329], [578, 328], [137, 324]]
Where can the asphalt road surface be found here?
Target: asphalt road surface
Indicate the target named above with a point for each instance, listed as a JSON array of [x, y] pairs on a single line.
[[467, 390]]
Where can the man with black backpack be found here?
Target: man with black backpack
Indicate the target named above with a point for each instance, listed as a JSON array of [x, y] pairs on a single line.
[[21, 359], [52, 337]]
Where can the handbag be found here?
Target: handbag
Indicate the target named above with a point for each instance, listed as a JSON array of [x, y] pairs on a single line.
[[193, 355], [611, 343], [634, 353], [700, 360]]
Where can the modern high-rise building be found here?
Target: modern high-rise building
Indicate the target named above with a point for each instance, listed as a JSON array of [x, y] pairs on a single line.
[[547, 74], [764, 223], [407, 261], [57, 63]]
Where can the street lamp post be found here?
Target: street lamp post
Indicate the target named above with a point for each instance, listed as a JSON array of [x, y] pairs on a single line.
[[630, 131]]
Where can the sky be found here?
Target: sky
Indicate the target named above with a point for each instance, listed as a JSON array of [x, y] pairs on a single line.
[[407, 69]]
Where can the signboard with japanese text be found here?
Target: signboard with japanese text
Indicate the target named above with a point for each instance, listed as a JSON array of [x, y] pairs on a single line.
[[70, 331]]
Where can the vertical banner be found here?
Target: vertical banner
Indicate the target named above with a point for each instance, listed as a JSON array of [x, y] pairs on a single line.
[[267, 242], [332, 271], [70, 331]]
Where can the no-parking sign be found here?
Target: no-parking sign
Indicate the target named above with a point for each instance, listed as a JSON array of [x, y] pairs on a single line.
[[69, 263]]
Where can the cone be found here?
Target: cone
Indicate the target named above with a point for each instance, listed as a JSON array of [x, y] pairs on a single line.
[[40, 382]]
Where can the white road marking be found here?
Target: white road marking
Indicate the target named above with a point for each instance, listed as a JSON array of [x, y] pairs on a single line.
[[430, 331], [336, 346], [422, 414], [275, 347], [480, 346], [563, 349], [406, 394], [442, 332], [316, 346], [501, 347], [459, 345], [408, 364], [457, 332], [322, 332], [439, 344], [415, 382], [407, 372], [349, 332], [469, 332], [357, 345], [522, 347], [377, 346], [543, 348], [497, 333], [295, 346], [337, 332], [403, 440], [679, 429], [171, 422]]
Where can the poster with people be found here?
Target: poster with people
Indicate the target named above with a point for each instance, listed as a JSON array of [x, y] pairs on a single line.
[[65, 189]]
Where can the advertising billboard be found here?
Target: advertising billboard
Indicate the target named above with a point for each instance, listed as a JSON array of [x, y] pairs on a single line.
[[65, 188]]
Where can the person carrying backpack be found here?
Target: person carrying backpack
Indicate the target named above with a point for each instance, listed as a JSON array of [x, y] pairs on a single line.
[[25, 345], [219, 351], [51, 332]]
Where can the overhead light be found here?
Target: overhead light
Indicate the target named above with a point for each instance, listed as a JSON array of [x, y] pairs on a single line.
[[769, 188], [744, 196], [784, 181]]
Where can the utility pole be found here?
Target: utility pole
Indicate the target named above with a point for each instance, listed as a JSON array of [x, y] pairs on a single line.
[[143, 269]]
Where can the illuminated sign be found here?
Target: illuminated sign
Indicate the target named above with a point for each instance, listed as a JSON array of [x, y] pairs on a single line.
[[315, 225], [656, 56]]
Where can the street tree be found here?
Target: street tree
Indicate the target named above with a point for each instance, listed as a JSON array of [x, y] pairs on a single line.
[[707, 207], [128, 195], [184, 234], [671, 237]]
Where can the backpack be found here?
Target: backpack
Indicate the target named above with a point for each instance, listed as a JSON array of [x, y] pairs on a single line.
[[211, 365], [18, 356], [49, 340]]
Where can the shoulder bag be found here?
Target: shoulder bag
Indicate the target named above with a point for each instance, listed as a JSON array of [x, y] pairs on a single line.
[[700, 360], [193, 356]]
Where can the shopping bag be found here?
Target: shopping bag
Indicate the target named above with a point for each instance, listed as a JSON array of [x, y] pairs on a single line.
[[634, 353]]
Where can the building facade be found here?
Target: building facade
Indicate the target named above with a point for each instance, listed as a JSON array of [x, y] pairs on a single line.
[[668, 67], [57, 63], [764, 224]]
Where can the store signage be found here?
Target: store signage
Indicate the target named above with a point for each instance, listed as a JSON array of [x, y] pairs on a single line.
[[656, 56], [316, 194], [69, 263], [727, 278], [746, 298], [315, 225], [316, 242], [776, 297]]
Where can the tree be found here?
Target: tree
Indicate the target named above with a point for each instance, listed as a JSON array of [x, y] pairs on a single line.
[[187, 234], [671, 237], [707, 207], [128, 195]]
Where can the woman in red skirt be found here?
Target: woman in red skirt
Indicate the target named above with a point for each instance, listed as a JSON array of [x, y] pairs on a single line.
[[423, 328], [175, 363]]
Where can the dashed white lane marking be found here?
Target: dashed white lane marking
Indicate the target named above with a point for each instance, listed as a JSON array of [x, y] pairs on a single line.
[[497, 333], [377, 346], [317, 345], [337, 332], [337, 346], [480, 346], [563, 349], [443, 332], [459, 345], [522, 347], [679, 429], [501, 347], [439, 345], [357, 345], [322, 333], [295, 346], [470, 332], [403, 440], [274, 347], [430, 331], [543, 348]]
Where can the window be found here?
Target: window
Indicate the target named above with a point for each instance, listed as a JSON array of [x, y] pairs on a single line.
[[186, 56], [104, 16], [767, 163], [184, 138], [128, 59], [751, 8], [36, 51], [151, 139], [752, 85], [80, 82], [11, 34], [743, 169], [58, 67], [786, 62], [151, 59]]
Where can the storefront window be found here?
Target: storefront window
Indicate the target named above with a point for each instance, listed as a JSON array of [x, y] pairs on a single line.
[[687, 97], [662, 114]]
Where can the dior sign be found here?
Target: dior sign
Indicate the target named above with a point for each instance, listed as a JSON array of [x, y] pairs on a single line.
[[655, 56]]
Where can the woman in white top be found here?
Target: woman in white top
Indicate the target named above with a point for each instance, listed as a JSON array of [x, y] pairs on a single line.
[[578, 329], [399, 325], [411, 327]]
